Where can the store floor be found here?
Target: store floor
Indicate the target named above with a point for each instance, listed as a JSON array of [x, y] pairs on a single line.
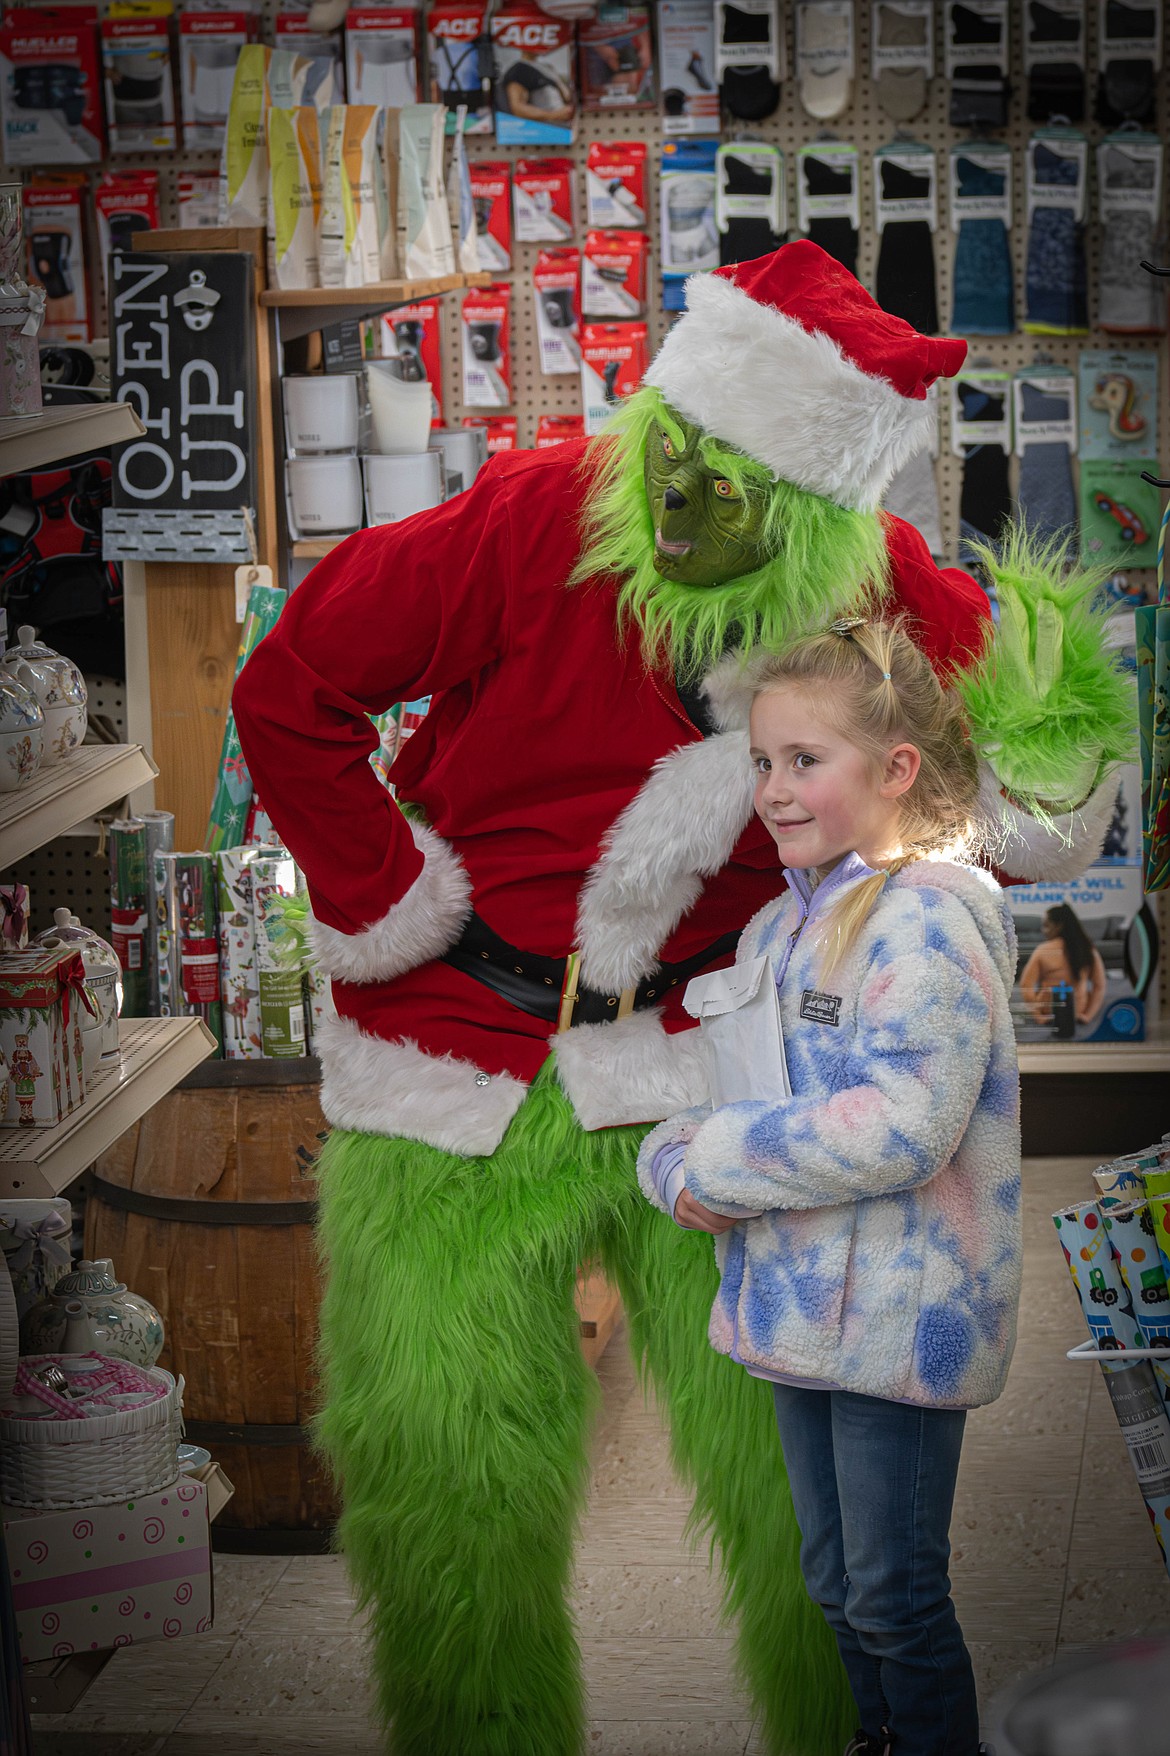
[[1052, 1551]]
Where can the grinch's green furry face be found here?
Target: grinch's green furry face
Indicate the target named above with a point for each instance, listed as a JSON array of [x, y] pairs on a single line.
[[706, 529]]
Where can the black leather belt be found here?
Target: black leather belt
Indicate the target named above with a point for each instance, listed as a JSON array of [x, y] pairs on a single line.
[[548, 987]]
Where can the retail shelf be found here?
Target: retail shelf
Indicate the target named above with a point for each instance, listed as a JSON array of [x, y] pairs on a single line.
[[32, 441], [1152, 1056], [303, 309], [156, 1054], [65, 793], [313, 548]]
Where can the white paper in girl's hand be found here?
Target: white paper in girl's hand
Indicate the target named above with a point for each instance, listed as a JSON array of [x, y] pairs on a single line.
[[739, 1015]]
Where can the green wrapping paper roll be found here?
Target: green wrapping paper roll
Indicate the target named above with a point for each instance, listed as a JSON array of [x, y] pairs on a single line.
[[281, 980], [128, 912], [1157, 1184], [233, 790], [196, 882], [165, 935], [160, 839]]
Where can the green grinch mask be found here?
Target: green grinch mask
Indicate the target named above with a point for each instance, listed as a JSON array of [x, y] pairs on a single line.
[[707, 528]]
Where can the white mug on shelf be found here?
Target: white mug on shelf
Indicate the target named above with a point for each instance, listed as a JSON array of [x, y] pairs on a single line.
[[464, 452], [324, 495], [400, 412], [397, 487], [321, 412]]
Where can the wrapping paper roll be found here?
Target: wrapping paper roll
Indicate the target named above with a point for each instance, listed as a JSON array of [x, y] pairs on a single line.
[[129, 902], [160, 839], [1116, 1182], [165, 934], [1157, 1185], [1145, 1427], [1096, 1274], [233, 789], [196, 882], [1131, 1235], [280, 977], [238, 982]]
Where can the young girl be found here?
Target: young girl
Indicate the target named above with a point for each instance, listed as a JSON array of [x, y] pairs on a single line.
[[876, 1283]]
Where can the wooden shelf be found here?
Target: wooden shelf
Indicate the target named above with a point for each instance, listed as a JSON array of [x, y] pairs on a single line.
[[32, 441], [156, 1054], [304, 309], [1152, 1056], [313, 548], [65, 793]]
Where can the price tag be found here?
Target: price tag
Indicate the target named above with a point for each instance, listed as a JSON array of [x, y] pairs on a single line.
[[252, 573]]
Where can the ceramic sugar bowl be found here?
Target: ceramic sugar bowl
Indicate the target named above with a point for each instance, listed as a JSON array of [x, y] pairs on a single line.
[[103, 982], [60, 688], [22, 728], [90, 1311]]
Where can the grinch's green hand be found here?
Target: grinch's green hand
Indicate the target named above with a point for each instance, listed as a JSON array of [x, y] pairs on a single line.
[[1047, 706]]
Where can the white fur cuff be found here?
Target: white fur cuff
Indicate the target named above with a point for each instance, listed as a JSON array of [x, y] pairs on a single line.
[[421, 926], [630, 1071], [1024, 848], [377, 1087]]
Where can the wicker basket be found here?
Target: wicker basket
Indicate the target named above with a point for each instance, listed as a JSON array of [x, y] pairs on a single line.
[[98, 1459]]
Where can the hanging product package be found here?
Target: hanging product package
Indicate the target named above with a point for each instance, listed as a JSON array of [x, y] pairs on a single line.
[[54, 227], [614, 274], [243, 181], [1118, 410], [555, 280], [556, 429], [140, 93], [491, 192], [51, 86], [294, 197], [751, 213], [617, 60], [487, 369], [125, 202], [615, 183], [412, 335], [535, 96], [423, 216], [353, 202], [1129, 207], [238, 978], [749, 57], [279, 974], [686, 188], [542, 194], [613, 362], [461, 200], [295, 33], [1054, 60], [501, 431], [381, 55], [462, 63], [209, 47], [686, 63], [199, 196]]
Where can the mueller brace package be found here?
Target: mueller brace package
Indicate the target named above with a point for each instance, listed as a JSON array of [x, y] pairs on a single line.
[[491, 194], [555, 429], [198, 199], [413, 334], [555, 279], [462, 63], [686, 67], [294, 32], [502, 431], [140, 92], [424, 220], [294, 197], [535, 97], [613, 362], [614, 274], [616, 60], [126, 202], [487, 366], [615, 184], [354, 212], [209, 47], [54, 231], [51, 86], [381, 55], [295, 79], [542, 198]]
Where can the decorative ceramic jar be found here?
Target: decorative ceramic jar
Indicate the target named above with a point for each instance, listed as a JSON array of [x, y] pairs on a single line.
[[89, 1311], [60, 688], [22, 728], [103, 982]]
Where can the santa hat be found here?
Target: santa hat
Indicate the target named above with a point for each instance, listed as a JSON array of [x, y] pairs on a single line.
[[788, 359]]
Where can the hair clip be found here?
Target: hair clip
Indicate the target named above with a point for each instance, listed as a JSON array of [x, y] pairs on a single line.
[[844, 625], [886, 675]]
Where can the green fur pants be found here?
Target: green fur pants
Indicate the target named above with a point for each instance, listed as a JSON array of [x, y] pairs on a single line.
[[457, 1418]]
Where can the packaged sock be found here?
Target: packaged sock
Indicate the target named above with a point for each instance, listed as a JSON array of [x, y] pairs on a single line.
[[907, 216], [902, 55], [824, 56]]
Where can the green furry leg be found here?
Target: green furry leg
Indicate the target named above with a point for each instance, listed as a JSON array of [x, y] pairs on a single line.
[[457, 1417], [724, 1441]]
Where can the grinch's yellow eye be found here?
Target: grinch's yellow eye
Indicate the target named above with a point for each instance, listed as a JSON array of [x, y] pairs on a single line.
[[668, 446], [724, 489]]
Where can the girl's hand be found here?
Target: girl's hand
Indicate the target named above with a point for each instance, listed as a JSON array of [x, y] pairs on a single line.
[[696, 1218]]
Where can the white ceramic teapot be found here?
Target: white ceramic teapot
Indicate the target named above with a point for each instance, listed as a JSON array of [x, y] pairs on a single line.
[[90, 1311], [60, 688], [22, 728], [103, 981]]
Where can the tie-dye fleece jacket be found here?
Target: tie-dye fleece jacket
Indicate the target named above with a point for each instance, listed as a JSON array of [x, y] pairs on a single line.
[[886, 1255]]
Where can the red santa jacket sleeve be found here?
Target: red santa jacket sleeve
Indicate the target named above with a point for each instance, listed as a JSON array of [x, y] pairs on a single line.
[[392, 614], [949, 612]]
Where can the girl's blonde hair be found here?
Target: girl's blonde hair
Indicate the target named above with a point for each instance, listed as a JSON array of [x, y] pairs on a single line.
[[877, 689]]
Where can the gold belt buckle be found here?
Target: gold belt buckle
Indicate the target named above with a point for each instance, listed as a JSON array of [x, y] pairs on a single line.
[[569, 991]]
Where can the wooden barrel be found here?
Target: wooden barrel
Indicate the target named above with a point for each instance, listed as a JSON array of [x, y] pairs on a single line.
[[206, 1207]]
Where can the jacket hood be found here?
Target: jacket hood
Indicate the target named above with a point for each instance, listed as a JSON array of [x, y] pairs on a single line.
[[984, 901]]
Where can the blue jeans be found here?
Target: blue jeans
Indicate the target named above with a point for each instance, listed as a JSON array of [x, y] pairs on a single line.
[[873, 1483]]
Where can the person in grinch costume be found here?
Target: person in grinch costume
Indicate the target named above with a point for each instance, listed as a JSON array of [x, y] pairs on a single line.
[[573, 840]]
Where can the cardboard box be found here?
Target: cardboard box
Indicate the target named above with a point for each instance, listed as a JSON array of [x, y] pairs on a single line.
[[40, 1036], [101, 1576]]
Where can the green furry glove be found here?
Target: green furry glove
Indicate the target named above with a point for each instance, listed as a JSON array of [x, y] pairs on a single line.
[[1047, 706]]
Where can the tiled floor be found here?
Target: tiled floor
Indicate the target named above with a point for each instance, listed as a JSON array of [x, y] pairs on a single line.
[[1052, 1551]]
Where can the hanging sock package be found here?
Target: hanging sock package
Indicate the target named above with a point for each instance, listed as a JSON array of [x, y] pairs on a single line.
[[487, 370], [555, 280], [616, 60], [981, 434], [462, 63], [1054, 60], [615, 184], [491, 194], [825, 62], [1045, 418], [751, 210], [686, 192], [906, 206], [535, 94], [749, 57], [901, 40], [686, 65], [1129, 56], [51, 86], [1129, 206], [613, 363], [981, 214], [977, 62], [1057, 276], [829, 198]]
